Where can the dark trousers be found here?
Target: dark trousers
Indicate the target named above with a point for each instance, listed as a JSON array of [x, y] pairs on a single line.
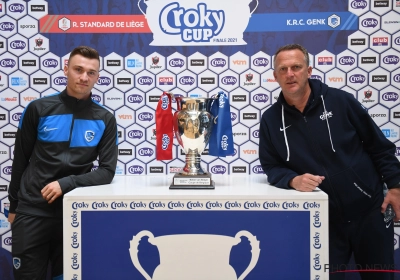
[[370, 239], [36, 241]]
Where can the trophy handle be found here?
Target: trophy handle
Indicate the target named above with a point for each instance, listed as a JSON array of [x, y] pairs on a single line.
[[255, 251], [138, 4], [252, 10], [134, 251]]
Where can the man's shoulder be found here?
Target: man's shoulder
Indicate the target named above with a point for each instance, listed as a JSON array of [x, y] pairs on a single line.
[[101, 110]]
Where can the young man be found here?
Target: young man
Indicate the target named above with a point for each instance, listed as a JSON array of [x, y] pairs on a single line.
[[317, 136], [58, 138]]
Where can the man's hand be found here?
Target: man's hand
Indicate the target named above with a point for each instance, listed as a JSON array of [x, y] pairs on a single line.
[[51, 191], [11, 217], [393, 198], [306, 182]]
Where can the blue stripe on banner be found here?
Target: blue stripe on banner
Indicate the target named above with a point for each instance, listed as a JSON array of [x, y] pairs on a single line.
[[55, 128], [87, 133], [59, 277], [301, 22]]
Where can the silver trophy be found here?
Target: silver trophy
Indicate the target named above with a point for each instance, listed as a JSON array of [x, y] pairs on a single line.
[[193, 124]]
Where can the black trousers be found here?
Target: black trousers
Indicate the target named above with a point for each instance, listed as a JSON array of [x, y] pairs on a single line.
[[370, 240], [36, 241]]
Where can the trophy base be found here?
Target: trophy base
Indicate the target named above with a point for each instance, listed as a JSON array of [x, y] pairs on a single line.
[[192, 182]]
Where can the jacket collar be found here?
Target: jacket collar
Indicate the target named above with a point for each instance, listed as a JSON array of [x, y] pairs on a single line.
[[73, 102]]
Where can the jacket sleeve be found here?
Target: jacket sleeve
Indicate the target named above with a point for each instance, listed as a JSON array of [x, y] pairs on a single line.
[[380, 149], [23, 148], [108, 155], [271, 162]]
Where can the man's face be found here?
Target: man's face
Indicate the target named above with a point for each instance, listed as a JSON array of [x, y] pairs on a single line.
[[82, 73], [291, 72]]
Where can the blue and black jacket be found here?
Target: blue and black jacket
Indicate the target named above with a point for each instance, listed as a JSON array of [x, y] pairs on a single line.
[[58, 139], [334, 137]]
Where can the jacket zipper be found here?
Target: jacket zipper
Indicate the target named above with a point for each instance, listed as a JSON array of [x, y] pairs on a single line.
[[323, 167]]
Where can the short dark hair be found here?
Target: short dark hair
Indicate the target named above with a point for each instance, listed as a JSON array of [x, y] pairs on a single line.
[[290, 47], [85, 51]]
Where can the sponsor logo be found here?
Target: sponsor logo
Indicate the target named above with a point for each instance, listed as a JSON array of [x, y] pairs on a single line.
[[7, 26], [135, 98], [380, 41], [250, 116], [390, 96], [166, 80], [369, 22], [210, 81], [396, 115], [358, 4], [50, 62], [28, 62], [18, 45], [145, 80], [96, 98], [357, 78], [239, 169], [218, 62], [8, 62], [325, 60], [260, 97], [9, 134], [124, 81], [7, 170], [316, 77], [113, 63], [197, 62], [133, 63], [16, 8], [257, 169], [218, 169], [176, 62], [74, 240], [186, 80], [260, 61], [135, 134], [240, 98], [103, 81], [381, 3], [40, 81], [125, 152], [38, 8], [357, 42], [145, 116], [391, 59], [367, 60], [379, 78], [347, 60], [156, 169], [229, 80], [16, 116], [145, 152]]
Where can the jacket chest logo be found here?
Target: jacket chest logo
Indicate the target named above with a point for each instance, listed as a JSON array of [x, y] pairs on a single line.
[[89, 135], [326, 115]]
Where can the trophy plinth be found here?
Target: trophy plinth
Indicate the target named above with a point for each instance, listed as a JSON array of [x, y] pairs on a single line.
[[193, 176]]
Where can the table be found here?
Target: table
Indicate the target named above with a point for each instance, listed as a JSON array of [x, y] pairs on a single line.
[[137, 228]]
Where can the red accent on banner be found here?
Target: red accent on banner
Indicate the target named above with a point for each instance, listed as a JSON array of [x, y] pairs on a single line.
[[94, 24], [164, 128]]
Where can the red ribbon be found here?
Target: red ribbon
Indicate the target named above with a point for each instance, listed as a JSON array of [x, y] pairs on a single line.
[[164, 128]]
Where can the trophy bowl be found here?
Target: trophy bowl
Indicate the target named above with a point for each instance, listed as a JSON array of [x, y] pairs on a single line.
[[193, 125]]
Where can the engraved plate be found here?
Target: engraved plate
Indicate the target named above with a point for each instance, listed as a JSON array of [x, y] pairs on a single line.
[[192, 181]]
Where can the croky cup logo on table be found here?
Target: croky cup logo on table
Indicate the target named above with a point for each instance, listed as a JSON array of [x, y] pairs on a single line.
[[185, 255], [194, 22]]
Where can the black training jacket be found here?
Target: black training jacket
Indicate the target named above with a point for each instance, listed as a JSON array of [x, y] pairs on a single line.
[[336, 138], [58, 139]]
